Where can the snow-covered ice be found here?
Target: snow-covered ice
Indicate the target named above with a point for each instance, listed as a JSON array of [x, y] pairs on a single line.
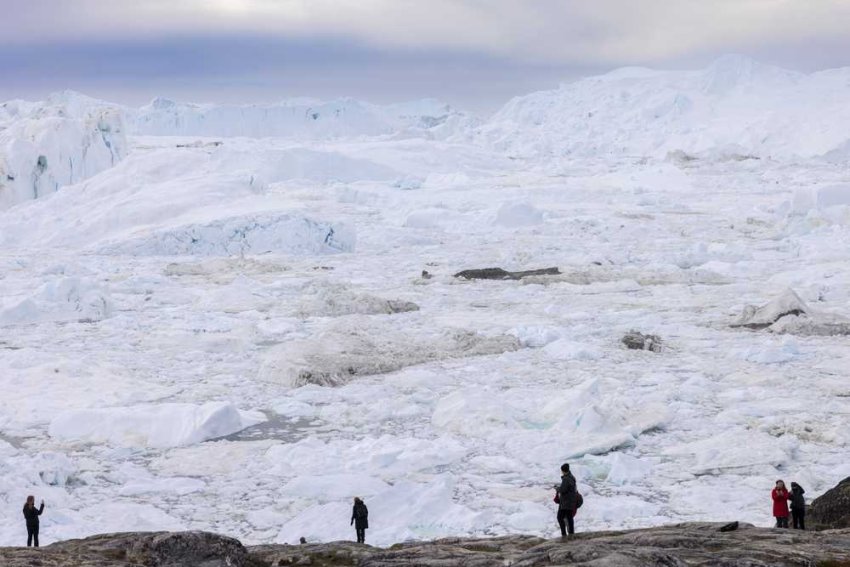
[[735, 109], [294, 118], [61, 141], [236, 318], [161, 425]]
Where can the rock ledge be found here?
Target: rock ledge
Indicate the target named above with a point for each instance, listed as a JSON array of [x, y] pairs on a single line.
[[680, 545]]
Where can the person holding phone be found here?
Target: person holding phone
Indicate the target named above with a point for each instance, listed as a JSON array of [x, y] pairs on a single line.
[[31, 514], [780, 497]]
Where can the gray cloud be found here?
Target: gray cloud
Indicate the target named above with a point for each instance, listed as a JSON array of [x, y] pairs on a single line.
[[554, 31], [473, 52], [244, 68]]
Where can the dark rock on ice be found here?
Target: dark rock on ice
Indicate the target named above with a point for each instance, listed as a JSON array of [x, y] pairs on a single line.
[[788, 314], [788, 303], [638, 341], [501, 274]]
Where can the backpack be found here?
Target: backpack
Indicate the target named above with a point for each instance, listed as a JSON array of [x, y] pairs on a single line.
[[579, 499]]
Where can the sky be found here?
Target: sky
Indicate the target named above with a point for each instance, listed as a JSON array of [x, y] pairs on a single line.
[[475, 54]]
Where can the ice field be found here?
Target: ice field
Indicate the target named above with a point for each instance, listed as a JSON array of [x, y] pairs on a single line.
[[216, 317]]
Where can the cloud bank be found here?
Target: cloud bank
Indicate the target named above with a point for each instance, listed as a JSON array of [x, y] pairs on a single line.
[[551, 31], [469, 52]]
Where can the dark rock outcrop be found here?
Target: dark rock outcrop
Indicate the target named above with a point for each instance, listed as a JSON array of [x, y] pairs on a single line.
[[500, 274], [668, 546], [155, 549], [639, 341], [832, 509]]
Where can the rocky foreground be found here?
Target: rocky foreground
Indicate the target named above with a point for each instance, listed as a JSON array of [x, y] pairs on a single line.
[[668, 546], [679, 545]]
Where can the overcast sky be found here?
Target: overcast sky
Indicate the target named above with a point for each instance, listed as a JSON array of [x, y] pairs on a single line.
[[472, 53]]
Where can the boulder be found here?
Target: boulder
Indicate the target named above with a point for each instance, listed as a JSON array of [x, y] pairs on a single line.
[[832, 509], [501, 274], [199, 549]]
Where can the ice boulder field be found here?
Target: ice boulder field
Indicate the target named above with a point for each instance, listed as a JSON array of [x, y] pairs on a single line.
[[236, 318]]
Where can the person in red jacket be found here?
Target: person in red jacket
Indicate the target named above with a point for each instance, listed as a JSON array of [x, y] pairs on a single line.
[[780, 504]]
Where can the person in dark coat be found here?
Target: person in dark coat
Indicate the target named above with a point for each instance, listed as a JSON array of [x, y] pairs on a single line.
[[31, 513], [780, 504], [567, 501], [798, 507], [360, 519]]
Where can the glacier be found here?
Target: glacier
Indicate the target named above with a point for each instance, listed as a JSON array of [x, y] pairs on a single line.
[[61, 141], [238, 317], [735, 108]]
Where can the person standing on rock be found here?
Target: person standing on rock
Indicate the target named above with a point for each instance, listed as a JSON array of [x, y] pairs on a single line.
[[31, 514], [798, 507], [567, 501], [360, 519], [780, 504]]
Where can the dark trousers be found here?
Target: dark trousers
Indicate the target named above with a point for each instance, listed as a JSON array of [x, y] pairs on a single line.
[[798, 517], [32, 536], [565, 522], [781, 521], [361, 535]]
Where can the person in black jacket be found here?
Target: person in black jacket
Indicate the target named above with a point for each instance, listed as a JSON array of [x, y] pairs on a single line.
[[360, 519], [567, 501], [798, 506], [31, 513]]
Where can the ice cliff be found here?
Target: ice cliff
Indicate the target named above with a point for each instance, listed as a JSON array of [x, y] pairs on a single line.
[[61, 141], [304, 119]]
